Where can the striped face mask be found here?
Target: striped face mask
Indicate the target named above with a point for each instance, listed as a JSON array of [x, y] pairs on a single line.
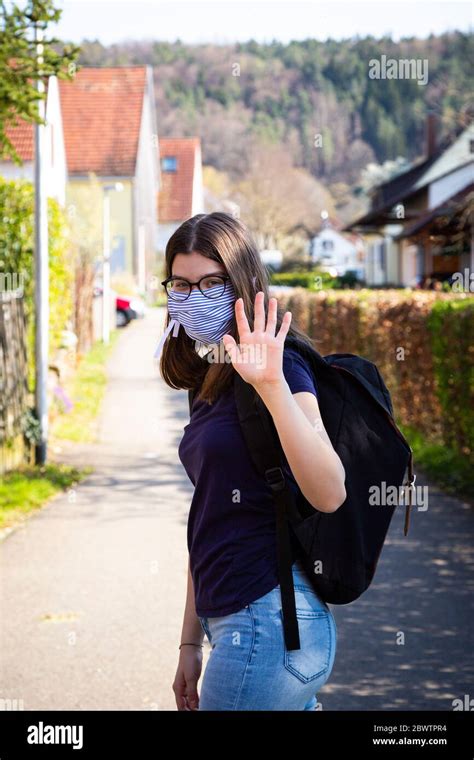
[[203, 318]]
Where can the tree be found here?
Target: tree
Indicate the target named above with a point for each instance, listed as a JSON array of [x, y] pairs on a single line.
[[277, 198], [19, 71]]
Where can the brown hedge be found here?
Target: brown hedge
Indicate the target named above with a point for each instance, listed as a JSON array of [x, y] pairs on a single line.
[[391, 328]]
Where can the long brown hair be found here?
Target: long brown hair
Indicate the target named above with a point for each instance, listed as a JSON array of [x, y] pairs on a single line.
[[221, 237]]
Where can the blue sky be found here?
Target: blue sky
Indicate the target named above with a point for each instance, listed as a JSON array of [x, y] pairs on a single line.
[[225, 21]]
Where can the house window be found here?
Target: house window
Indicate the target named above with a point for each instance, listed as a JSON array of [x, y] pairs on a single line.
[[169, 163], [328, 245]]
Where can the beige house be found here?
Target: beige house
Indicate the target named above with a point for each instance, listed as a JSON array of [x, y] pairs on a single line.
[[110, 136], [101, 138]]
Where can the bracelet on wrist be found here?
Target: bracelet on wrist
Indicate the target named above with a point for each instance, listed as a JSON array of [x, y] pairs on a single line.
[[189, 644]]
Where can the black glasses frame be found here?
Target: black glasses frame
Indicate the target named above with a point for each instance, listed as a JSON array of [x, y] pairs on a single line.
[[224, 277]]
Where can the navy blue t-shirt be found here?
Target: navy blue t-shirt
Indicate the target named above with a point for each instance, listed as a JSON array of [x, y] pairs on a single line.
[[231, 532]]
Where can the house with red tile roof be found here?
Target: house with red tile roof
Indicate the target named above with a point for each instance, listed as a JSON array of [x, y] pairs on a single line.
[[102, 138], [21, 134], [181, 192], [110, 134]]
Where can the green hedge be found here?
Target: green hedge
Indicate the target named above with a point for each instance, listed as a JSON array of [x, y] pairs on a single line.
[[314, 280], [451, 326], [17, 257], [307, 280]]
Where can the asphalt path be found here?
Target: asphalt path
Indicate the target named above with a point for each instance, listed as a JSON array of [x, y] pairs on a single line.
[[93, 585]]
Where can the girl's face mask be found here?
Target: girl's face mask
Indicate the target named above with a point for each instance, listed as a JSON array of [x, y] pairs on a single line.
[[203, 318]]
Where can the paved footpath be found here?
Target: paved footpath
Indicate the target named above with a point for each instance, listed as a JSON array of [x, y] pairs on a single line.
[[423, 589], [93, 585]]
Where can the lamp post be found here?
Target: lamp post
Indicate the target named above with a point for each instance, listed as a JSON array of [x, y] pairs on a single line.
[[41, 267], [118, 187]]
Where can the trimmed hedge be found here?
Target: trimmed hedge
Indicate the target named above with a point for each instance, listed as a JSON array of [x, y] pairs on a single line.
[[313, 280], [422, 342], [451, 326]]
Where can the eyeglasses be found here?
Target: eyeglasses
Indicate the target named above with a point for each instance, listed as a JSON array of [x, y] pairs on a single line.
[[211, 286]]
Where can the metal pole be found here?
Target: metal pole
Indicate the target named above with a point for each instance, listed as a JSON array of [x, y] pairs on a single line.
[[41, 270], [106, 270]]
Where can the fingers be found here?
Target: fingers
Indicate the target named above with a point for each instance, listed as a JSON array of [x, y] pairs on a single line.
[[259, 320], [284, 327], [185, 682], [272, 316], [259, 316], [241, 319], [192, 696], [179, 688], [180, 702]]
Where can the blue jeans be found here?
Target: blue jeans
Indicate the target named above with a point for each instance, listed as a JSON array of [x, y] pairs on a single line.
[[249, 667]]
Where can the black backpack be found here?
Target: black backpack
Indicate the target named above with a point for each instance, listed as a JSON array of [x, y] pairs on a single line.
[[357, 413]]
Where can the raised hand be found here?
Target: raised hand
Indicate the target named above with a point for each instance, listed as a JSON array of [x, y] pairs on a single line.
[[259, 356]]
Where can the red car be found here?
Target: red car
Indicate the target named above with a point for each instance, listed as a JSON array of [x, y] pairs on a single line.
[[128, 308]]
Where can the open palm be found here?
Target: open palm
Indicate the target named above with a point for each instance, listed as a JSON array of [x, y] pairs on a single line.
[[259, 356]]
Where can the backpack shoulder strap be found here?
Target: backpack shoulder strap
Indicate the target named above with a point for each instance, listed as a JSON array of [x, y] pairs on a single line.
[[367, 373], [260, 437]]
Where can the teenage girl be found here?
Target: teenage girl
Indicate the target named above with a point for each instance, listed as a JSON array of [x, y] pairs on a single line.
[[224, 322]]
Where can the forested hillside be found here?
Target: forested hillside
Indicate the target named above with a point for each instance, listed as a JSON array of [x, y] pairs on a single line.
[[241, 97]]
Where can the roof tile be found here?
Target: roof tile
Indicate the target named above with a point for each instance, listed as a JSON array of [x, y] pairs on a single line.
[[101, 110]]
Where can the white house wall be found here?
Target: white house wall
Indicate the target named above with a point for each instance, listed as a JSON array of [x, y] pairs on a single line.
[[391, 260], [198, 193], [375, 273], [54, 159], [447, 186], [56, 152], [164, 233], [342, 256], [146, 188], [456, 155], [409, 266], [10, 170]]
